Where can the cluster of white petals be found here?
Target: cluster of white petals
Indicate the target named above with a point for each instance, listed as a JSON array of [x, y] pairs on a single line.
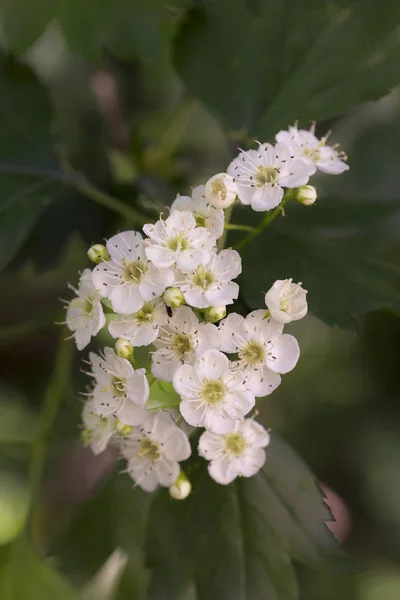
[[168, 292]]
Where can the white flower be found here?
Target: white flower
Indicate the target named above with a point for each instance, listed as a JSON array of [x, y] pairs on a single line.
[[119, 390], [177, 241], [263, 352], [239, 453], [211, 284], [181, 340], [213, 395], [129, 279], [140, 328], [98, 430], [313, 151], [262, 174], [204, 212], [286, 301], [153, 451], [221, 190], [85, 316]]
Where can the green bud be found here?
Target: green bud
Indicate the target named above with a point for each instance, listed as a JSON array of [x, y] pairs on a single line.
[[306, 194], [181, 488], [122, 428], [98, 253], [123, 348], [173, 297], [215, 313]]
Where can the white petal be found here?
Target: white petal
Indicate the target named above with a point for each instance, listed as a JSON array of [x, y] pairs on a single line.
[[223, 471], [226, 294], [239, 404], [182, 203], [228, 265], [179, 221], [154, 282], [189, 260], [208, 337], [270, 330], [251, 462], [212, 365], [263, 382], [149, 483], [211, 446], [185, 319], [191, 414], [160, 256], [177, 446], [255, 434], [266, 198], [137, 387], [196, 298], [231, 330], [126, 299], [163, 367], [167, 471], [298, 174], [186, 382], [128, 245], [284, 355], [131, 413]]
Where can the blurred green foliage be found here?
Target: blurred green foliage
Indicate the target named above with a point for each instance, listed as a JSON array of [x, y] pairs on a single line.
[[135, 101]]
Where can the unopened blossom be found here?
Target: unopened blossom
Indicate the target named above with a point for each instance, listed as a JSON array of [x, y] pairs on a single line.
[[263, 351], [211, 284], [182, 339], [262, 174], [85, 316], [239, 453], [178, 242], [204, 212], [98, 430], [313, 151], [142, 327], [153, 451], [129, 279], [221, 190], [119, 390], [213, 395], [286, 301]]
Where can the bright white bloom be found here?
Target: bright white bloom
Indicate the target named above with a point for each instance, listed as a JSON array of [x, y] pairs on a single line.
[[263, 352], [221, 190], [98, 430], [213, 395], [211, 284], [181, 488], [262, 174], [129, 279], [153, 451], [182, 339], [286, 301], [313, 151], [239, 453], [177, 241], [140, 328], [85, 316], [307, 195], [119, 390], [204, 212]]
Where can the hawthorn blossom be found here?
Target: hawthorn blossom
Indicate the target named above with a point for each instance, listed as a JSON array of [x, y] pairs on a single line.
[[213, 395], [239, 453], [119, 389], [286, 301], [177, 241], [153, 451], [85, 315], [262, 174], [142, 327], [313, 151], [129, 279], [211, 284], [181, 340], [204, 212], [221, 190], [263, 351], [98, 430]]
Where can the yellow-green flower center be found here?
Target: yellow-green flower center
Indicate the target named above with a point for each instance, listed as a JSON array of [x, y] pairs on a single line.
[[118, 386], [213, 392], [178, 243], [203, 278], [200, 220], [182, 345], [252, 354], [266, 175], [134, 271], [312, 153], [145, 314], [234, 443], [150, 449], [218, 188], [87, 306]]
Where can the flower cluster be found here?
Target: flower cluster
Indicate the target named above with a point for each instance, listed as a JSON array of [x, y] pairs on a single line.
[[168, 291]]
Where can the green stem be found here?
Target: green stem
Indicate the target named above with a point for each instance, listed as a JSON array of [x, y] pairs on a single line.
[[228, 216], [82, 185], [237, 227], [269, 217], [51, 405]]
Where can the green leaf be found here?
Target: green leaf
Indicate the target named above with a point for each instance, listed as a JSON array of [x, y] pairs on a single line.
[[24, 576], [162, 396], [339, 256], [239, 541], [279, 61]]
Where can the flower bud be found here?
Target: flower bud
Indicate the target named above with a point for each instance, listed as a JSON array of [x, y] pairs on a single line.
[[98, 253], [122, 428], [306, 194], [215, 313], [173, 297], [181, 488], [286, 301], [123, 348], [221, 190]]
